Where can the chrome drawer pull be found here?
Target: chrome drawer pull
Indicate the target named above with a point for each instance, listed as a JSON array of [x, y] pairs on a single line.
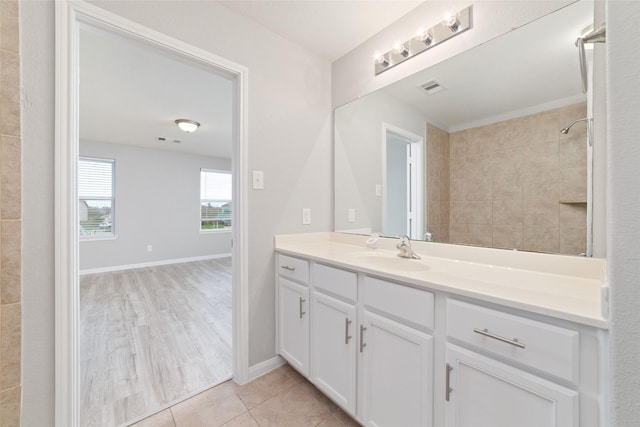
[[302, 313], [286, 267], [448, 389], [347, 337], [486, 333], [362, 343]]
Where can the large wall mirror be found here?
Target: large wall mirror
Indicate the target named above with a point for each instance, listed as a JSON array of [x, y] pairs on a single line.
[[470, 151]]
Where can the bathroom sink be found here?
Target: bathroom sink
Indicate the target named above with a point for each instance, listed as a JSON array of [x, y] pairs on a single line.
[[388, 261]]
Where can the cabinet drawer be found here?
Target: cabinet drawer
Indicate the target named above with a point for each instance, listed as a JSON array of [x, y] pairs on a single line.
[[293, 268], [545, 347], [400, 302], [338, 282]]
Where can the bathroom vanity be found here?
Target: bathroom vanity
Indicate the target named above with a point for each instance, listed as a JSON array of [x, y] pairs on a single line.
[[462, 336]]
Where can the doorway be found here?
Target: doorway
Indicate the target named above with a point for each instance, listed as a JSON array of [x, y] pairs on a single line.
[[71, 18], [403, 199]]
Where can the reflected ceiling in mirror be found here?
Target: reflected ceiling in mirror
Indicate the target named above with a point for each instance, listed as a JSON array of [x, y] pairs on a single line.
[[486, 129]]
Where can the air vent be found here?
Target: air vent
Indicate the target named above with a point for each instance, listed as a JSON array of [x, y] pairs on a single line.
[[162, 138], [432, 87]]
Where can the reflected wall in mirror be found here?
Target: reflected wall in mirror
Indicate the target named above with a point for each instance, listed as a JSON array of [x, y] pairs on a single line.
[[497, 171]]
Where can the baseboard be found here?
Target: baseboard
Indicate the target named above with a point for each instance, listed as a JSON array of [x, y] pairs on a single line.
[[265, 367], [151, 264]]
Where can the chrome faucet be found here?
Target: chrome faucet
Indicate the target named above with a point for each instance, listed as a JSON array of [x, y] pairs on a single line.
[[405, 248]]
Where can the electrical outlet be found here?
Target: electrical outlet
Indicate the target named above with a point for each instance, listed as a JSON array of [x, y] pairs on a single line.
[[149, 248], [306, 216], [352, 215]]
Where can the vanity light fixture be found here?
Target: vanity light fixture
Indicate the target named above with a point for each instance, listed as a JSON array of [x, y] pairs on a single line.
[[187, 126], [381, 60], [424, 39], [453, 23], [401, 50]]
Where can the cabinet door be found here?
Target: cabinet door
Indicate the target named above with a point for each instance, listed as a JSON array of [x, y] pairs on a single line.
[[293, 324], [333, 349], [484, 392], [397, 374]]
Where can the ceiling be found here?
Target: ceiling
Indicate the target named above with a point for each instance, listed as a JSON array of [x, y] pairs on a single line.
[[329, 28], [131, 93]]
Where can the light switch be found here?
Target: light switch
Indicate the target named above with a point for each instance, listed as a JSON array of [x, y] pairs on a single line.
[[352, 215], [258, 180], [306, 216], [378, 190]]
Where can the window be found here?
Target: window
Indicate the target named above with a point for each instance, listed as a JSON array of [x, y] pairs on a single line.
[[95, 191], [215, 200]]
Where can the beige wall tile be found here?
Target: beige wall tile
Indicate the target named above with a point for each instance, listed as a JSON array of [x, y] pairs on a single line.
[[10, 344], [9, 93], [478, 212], [478, 189], [573, 215], [457, 189], [458, 232], [508, 212], [10, 259], [539, 156], [542, 185], [573, 240], [541, 213], [10, 407], [10, 178], [507, 187], [572, 153], [507, 236], [480, 235], [541, 238], [506, 162], [457, 215], [573, 183], [9, 39]]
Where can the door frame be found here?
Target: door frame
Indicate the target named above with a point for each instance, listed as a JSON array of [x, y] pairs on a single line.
[[419, 198], [70, 15]]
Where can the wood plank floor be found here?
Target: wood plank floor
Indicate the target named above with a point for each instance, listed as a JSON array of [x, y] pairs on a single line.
[[151, 336]]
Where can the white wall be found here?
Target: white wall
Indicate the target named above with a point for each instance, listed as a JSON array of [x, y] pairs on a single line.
[[157, 202], [358, 153], [623, 209], [289, 139]]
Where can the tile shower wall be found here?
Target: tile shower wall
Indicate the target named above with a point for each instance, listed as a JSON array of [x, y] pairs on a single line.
[[520, 183], [10, 216], [437, 183]]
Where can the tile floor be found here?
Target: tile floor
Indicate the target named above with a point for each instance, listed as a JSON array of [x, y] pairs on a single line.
[[280, 398]]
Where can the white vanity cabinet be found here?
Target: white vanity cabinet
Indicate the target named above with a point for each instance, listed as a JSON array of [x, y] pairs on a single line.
[[333, 334], [485, 392], [293, 316], [481, 390], [396, 354]]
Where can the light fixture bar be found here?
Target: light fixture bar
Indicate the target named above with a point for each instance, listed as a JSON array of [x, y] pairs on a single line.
[[452, 26]]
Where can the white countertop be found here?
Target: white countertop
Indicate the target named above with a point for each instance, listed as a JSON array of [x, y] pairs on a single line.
[[564, 287]]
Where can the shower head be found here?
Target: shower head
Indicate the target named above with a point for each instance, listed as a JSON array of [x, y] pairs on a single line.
[[565, 130]]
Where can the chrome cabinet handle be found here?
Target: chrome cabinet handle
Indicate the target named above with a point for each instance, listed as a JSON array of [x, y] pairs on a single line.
[[448, 389], [286, 267], [302, 312], [362, 343], [486, 333], [347, 337]]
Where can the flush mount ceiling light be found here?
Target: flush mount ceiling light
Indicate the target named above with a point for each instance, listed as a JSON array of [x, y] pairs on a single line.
[[187, 126], [424, 39]]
